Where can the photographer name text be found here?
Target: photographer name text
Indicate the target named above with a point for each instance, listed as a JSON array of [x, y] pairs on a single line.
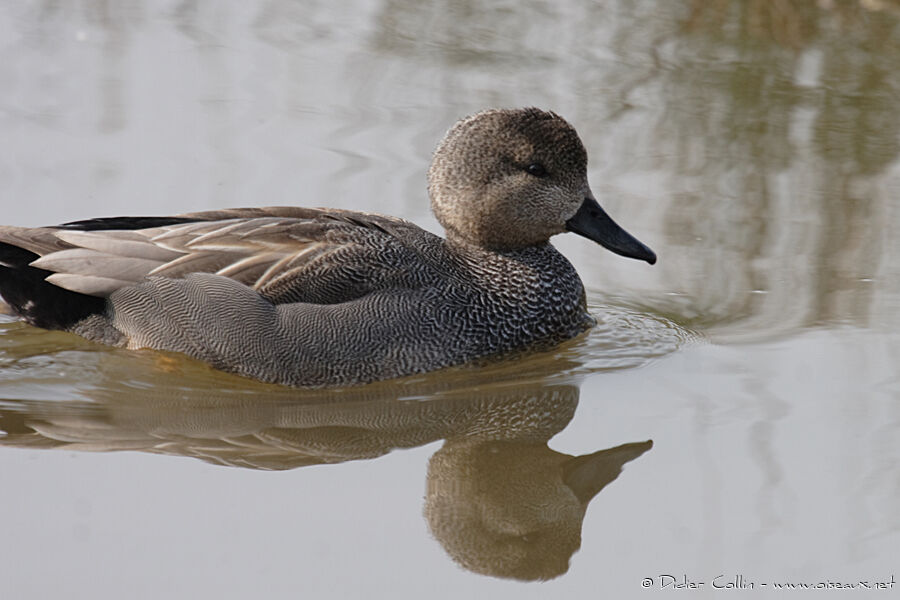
[[740, 582]]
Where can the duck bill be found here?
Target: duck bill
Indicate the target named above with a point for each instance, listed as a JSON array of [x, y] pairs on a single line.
[[592, 222]]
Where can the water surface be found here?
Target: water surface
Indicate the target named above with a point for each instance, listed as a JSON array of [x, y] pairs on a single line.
[[735, 412]]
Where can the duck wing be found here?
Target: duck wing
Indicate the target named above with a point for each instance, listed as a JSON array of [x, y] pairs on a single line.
[[286, 254]]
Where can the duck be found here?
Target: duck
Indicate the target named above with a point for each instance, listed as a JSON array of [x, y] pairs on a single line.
[[320, 297]]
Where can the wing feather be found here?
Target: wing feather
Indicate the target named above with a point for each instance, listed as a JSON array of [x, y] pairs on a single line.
[[257, 246], [87, 284], [135, 244], [204, 261], [83, 261]]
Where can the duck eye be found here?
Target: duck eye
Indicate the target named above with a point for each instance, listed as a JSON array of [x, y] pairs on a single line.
[[536, 169]]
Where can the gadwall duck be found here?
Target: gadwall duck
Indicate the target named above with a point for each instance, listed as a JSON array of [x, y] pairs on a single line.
[[323, 297]]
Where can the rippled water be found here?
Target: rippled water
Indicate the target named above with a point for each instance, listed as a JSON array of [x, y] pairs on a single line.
[[734, 412]]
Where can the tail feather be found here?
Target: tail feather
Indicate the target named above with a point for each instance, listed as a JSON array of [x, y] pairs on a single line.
[[40, 303], [25, 288]]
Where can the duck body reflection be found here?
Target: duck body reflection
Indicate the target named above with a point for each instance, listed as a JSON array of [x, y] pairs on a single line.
[[498, 499]]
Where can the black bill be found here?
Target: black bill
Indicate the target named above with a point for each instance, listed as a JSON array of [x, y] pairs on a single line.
[[592, 222]]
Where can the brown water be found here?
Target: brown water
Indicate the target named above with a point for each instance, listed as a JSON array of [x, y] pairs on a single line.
[[754, 145]]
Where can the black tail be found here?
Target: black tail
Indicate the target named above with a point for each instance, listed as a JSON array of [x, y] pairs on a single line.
[[45, 305], [38, 302]]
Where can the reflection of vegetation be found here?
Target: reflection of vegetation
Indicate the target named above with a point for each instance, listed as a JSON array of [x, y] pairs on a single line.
[[858, 82], [498, 498], [782, 201], [470, 32], [793, 23]]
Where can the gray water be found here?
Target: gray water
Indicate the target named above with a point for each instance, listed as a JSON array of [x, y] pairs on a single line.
[[737, 407]]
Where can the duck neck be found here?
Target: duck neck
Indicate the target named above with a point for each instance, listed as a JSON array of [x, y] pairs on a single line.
[[464, 247], [539, 264]]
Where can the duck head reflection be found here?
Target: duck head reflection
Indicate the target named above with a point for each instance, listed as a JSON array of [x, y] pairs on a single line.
[[498, 499], [515, 508]]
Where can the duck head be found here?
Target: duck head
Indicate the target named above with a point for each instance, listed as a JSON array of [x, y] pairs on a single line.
[[509, 179]]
